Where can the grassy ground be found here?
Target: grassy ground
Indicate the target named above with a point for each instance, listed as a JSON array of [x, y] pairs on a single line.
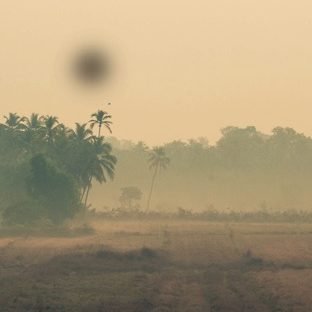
[[160, 266]]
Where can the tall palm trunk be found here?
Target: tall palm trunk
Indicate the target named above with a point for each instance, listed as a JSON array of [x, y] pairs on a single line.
[[86, 192], [87, 189], [151, 190], [99, 133], [83, 192], [87, 195]]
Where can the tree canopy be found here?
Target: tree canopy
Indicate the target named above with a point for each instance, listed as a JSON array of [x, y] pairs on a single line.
[[46, 168]]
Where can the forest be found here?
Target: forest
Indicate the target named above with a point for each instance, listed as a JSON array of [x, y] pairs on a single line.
[[47, 171], [245, 170]]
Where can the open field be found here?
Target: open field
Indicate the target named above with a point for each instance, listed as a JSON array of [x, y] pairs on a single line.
[[160, 266]]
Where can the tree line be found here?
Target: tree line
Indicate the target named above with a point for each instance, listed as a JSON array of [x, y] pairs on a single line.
[[47, 169], [244, 170]]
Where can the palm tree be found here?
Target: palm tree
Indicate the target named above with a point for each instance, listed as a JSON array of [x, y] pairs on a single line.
[[158, 161], [13, 121], [82, 133], [32, 130], [100, 165], [51, 126], [101, 118], [34, 122]]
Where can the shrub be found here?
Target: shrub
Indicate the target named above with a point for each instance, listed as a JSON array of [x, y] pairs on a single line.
[[51, 195]]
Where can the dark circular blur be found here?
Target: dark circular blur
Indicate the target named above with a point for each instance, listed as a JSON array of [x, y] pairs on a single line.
[[91, 66]]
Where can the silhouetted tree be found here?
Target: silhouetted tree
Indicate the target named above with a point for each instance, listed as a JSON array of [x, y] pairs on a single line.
[[82, 133], [51, 126], [158, 161], [128, 195], [101, 118], [14, 121], [100, 165]]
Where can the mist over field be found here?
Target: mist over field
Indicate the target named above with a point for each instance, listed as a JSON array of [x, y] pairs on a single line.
[[245, 170]]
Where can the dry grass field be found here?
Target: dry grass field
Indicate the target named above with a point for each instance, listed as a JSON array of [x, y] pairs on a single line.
[[160, 266]]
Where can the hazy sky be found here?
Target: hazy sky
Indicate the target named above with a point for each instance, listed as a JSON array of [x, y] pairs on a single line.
[[183, 68]]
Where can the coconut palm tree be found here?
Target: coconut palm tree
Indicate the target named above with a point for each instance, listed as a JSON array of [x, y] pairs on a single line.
[[100, 165], [34, 122], [80, 141], [14, 121], [101, 118], [33, 130], [82, 133], [158, 161], [51, 126]]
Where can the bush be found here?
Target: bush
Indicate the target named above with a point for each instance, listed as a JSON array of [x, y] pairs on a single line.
[[26, 213], [53, 190], [51, 194]]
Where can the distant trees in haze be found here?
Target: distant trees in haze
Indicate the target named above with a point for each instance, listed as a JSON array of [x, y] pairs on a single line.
[[130, 195], [158, 161], [243, 169]]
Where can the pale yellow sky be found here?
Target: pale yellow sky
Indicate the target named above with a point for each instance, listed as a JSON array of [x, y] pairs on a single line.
[[183, 68]]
